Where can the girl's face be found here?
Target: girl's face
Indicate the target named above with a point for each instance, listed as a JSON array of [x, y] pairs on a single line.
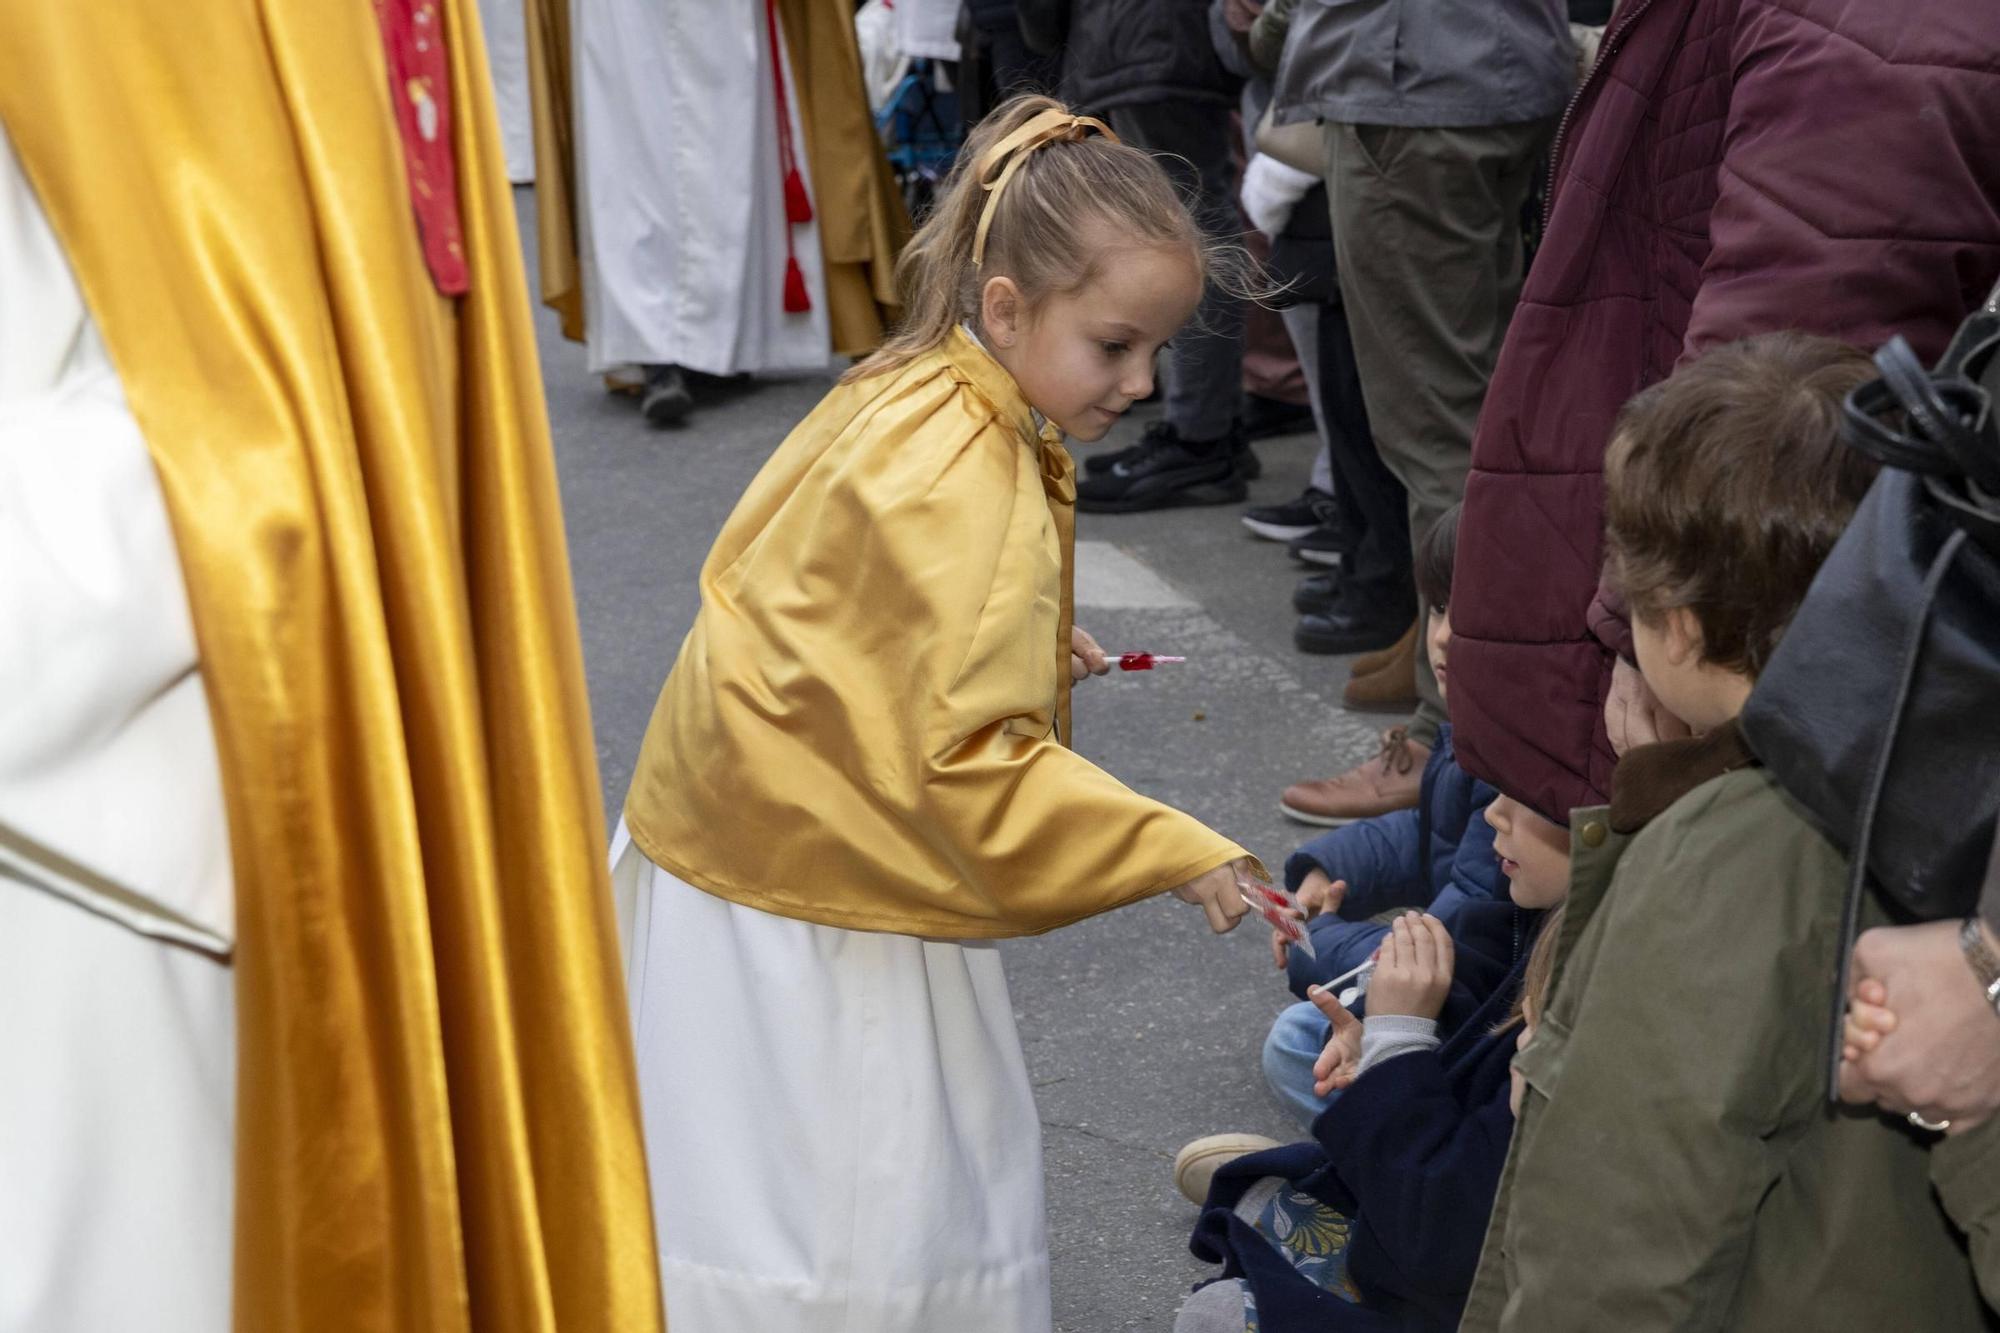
[[1084, 357], [1534, 854], [1437, 641]]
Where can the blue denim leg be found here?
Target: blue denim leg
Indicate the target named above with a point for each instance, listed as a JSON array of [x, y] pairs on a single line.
[[1297, 1037]]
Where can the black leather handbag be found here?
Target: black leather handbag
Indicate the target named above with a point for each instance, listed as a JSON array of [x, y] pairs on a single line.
[[1880, 709]]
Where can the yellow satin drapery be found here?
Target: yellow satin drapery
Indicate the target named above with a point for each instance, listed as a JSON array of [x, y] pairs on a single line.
[[863, 224], [859, 730], [437, 1118]]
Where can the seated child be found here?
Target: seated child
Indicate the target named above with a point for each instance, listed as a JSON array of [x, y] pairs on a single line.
[[1677, 1163], [1377, 1222], [1437, 856]]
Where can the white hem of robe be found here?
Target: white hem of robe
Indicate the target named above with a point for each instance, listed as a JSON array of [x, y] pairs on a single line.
[[840, 1130]]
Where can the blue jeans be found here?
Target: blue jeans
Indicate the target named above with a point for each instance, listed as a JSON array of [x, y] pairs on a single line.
[[1297, 1037]]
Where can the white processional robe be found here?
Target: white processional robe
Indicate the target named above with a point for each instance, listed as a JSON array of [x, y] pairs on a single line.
[[680, 193], [117, 1000], [505, 23]]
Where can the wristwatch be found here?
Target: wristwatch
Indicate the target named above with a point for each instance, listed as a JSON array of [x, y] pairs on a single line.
[[1985, 965]]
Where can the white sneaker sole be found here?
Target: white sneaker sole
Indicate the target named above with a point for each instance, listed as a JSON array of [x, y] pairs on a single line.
[[1329, 558], [1276, 532]]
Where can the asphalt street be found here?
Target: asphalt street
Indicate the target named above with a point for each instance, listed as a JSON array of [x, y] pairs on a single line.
[[1142, 1029]]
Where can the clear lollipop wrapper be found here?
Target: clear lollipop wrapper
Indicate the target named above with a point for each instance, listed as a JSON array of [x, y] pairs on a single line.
[[1278, 910]]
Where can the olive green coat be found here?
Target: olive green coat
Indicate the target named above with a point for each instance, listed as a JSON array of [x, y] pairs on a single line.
[[1675, 1164]]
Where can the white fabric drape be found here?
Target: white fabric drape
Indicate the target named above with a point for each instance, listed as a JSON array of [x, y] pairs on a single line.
[[117, 1003], [682, 226], [506, 26], [840, 1130], [928, 28]]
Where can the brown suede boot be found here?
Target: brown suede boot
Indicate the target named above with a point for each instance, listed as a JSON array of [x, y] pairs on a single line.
[[1391, 687], [1369, 663]]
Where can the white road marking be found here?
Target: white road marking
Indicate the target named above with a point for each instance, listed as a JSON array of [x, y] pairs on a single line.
[[1108, 578]]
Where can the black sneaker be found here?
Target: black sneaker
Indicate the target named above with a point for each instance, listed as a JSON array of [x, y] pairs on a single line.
[[665, 401], [1266, 417], [1093, 464], [1248, 466], [1324, 545], [1352, 625], [1316, 594], [1165, 472], [1295, 518]]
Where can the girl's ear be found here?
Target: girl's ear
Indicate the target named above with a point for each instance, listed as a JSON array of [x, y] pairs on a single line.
[[1000, 311]]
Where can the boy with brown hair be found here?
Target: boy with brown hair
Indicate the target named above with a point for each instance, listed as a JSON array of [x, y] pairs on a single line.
[[1676, 1163]]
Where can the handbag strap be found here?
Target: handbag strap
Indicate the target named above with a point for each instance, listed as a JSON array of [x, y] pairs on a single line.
[[1948, 430], [1864, 839]]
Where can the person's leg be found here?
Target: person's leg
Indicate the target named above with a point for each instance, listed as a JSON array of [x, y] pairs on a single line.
[[1219, 1307], [1381, 558], [1205, 370], [1297, 1037], [1426, 229]]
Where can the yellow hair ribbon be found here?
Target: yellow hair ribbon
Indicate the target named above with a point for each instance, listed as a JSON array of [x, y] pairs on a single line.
[[1044, 127]]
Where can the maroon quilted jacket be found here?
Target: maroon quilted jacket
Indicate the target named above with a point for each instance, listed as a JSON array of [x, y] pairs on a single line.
[[1728, 168]]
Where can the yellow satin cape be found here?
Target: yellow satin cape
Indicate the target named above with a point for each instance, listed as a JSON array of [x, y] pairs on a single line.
[[861, 729], [863, 223], [436, 1120]]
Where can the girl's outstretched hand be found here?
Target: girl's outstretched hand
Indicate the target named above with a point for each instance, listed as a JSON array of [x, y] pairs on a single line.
[[1215, 892]]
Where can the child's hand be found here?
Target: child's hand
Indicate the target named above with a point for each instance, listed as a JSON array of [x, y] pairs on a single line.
[[1217, 895], [1314, 896], [1319, 894], [1868, 1019], [1086, 659], [1413, 968], [1337, 1064]]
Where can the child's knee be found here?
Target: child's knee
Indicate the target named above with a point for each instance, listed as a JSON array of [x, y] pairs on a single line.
[[1219, 1307]]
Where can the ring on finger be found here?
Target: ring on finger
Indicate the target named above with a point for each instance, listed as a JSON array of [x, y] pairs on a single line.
[[1932, 1126]]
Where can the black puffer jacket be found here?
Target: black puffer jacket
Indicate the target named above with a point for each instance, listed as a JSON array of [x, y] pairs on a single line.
[[1123, 52]]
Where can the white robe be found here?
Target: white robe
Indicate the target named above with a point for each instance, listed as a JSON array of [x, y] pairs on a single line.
[[506, 28], [117, 1001], [840, 1131], [680, 200]]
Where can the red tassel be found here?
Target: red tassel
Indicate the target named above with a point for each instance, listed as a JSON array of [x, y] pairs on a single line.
[[796, 300], [798, 204]]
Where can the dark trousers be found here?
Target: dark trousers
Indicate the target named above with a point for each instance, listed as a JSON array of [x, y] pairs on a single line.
[[1204, 369], [1373, 506]]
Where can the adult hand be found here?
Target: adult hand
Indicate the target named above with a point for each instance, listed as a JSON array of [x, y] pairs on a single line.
[[1941, 1057], [1215, 892], [1086, 659], [1339, 1062], [1316, 894], [1413, 969], [1634, 716]]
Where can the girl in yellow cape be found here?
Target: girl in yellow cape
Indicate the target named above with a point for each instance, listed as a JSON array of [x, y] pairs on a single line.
[[857, 775]]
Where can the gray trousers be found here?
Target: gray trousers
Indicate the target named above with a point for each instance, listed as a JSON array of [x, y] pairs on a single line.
[[1302, 323], [1204, 367], [1427, 235]]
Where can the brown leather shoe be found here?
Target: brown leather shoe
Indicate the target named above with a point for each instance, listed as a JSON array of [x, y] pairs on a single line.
[[1391, 687], [1389, 781], [1369, 663]]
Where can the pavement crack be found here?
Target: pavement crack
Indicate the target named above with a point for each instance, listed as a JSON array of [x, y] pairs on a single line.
[[1149, 1149]]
